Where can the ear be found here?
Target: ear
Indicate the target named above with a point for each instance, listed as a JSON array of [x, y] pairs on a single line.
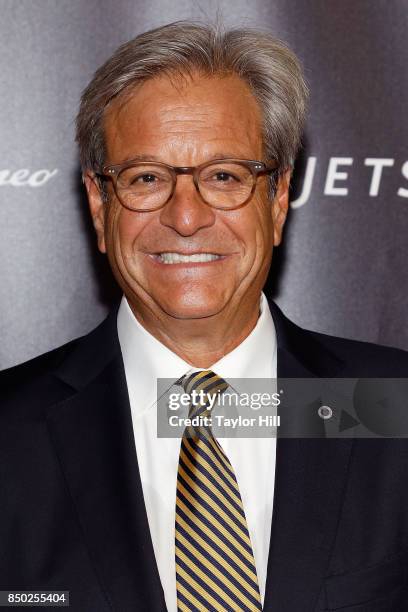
[[280, 206], [96, 207]]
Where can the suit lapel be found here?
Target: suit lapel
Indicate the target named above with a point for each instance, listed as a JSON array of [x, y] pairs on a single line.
[[310, 479], [93, 437]]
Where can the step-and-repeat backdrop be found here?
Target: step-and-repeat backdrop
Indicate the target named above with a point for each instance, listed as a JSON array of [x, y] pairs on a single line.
[[343, 266]]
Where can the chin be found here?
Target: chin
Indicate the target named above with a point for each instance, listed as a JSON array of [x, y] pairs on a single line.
[[192, 306]]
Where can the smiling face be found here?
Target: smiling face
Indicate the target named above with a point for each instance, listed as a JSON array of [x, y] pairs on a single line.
[[186, 124]]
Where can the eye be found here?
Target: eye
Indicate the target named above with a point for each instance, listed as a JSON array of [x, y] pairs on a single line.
[[145, 178], [224, 177]]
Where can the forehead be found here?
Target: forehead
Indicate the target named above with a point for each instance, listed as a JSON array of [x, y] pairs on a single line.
[[194, 115]]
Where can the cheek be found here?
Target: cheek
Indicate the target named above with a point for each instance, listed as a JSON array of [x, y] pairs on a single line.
[[124, 229], [252, 226]]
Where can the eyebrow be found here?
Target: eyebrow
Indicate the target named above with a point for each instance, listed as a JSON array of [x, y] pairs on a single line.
[[141, 157], [155, 158]]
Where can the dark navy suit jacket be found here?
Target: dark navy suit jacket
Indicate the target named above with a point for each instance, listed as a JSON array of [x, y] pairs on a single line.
[[72, 515]]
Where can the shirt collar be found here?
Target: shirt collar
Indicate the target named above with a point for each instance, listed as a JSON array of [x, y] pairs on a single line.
[[146, 359]]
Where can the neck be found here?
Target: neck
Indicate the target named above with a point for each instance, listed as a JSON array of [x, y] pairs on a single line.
[[200, 342]]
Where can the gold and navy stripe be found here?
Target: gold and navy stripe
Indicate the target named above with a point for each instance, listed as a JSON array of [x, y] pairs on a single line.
[[215, 566]]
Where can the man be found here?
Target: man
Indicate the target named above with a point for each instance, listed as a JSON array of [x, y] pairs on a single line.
[[187, 138]]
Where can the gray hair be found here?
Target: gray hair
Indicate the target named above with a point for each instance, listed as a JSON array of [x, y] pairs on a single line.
[[271, 70]]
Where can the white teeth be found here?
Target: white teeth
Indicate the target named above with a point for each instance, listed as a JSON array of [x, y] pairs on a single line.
[[172, 258]]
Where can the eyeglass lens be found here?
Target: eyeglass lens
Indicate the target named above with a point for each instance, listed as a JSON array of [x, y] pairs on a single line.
[[147, 185]]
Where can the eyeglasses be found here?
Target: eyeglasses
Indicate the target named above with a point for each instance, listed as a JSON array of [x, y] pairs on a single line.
[[225, 184]]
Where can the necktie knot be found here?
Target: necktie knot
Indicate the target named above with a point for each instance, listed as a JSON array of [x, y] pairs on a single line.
[[201, 386]]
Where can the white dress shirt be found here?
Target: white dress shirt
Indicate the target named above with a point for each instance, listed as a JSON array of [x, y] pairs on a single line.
[[253, 459]]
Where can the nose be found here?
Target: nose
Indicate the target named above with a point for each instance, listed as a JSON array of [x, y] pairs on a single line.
[[186, 212]]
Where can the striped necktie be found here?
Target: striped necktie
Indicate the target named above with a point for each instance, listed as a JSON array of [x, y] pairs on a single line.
[[215, 567]]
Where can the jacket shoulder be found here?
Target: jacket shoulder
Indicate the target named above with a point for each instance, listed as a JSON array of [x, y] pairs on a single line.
[[328, 356], [28, 389], [369, 359], [40, 382], [35, 368]]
